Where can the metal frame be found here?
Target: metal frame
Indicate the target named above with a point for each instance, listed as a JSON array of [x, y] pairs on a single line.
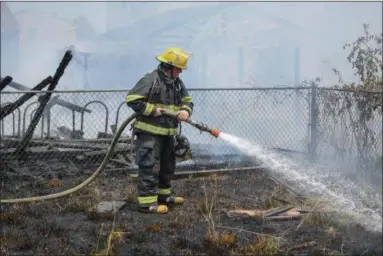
[[25, 113], [118, 112], [56, 101], [13, 122], [106, 114]]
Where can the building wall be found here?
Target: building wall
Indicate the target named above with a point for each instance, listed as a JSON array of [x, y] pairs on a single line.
[[41, 35], [120, 14], [9, 51], [227, 51], [9, 41], [41, 30]]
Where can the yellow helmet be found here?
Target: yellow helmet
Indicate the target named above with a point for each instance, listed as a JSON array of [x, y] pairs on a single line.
[[174, 56]]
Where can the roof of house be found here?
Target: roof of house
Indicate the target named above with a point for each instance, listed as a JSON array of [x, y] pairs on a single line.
[[32, 11], [64, 29], [161, 22], [71, 24], [183, 26], [8, 20]]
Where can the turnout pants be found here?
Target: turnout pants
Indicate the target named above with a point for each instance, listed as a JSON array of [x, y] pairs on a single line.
[[156, 162]]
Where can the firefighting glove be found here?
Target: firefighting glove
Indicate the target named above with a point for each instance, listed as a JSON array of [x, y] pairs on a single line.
[[182, 115], [157, 112]]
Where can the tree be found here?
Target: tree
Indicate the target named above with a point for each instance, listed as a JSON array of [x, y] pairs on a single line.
[[349, 115]]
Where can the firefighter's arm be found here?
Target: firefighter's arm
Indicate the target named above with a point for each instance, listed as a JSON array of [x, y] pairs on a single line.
[[137, 97], [187, 100]]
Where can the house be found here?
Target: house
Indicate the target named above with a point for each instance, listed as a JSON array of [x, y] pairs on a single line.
[[230, 43], [125, 13], [235, 36], [9, 41], [42, 37], [42, 30]]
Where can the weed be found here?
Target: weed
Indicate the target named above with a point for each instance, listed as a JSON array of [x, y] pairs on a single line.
[[207, 209], [186, 252], [54, 182], [216, 243], [332, 231], [228, 239], [154, 228], [130, 196], [180, 219], [82, 201], [215, 176], [335, 253], [15, 215], [262, 245], [130, 192], [49, 228], [318, 219], [271, 202], [15, 240]]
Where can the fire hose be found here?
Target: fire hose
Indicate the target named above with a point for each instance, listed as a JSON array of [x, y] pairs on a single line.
[[101, 168]]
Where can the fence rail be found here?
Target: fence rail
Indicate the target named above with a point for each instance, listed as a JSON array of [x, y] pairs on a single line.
[[79, 125]]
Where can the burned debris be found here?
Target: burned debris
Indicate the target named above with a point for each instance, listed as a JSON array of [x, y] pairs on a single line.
[[24, 146], [8, 109], [4, 82]]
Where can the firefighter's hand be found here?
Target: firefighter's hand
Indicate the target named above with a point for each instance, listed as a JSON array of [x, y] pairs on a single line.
[[182, 115], [158, 111]]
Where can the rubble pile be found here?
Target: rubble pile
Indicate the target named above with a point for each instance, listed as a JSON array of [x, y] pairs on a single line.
[[84, 150]]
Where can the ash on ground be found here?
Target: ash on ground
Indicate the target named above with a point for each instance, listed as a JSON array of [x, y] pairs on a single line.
[[86, 223]]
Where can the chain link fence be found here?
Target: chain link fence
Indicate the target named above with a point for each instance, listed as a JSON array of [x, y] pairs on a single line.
[[306, 122], [348, 134]]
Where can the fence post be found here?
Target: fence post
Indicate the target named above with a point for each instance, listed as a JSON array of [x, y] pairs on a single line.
[[313, 123], [297, 81]]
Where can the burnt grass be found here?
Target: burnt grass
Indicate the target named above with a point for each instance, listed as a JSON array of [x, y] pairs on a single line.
[[69, 226]]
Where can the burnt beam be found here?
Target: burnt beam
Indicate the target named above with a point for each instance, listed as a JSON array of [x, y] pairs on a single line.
[[60, 102], [4, 82], [8, 109], [43, 102]]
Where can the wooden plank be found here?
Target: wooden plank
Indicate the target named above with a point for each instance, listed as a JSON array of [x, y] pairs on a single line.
[[279, 211]]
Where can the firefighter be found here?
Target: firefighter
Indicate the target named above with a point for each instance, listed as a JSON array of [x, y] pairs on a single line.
[[157, 90]]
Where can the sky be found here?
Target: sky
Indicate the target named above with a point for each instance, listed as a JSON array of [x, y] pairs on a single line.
[[326, 27]]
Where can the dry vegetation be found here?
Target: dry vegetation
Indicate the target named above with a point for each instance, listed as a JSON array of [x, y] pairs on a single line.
[[71, 226]]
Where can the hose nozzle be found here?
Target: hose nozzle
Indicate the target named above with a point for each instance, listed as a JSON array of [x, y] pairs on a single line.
[[215, 132], [203, 127], [199, 125]]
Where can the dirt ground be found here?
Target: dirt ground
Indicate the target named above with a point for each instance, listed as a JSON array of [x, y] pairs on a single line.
[[201, 226]]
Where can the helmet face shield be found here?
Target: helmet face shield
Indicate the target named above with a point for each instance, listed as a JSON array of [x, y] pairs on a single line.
[[175, 56]]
